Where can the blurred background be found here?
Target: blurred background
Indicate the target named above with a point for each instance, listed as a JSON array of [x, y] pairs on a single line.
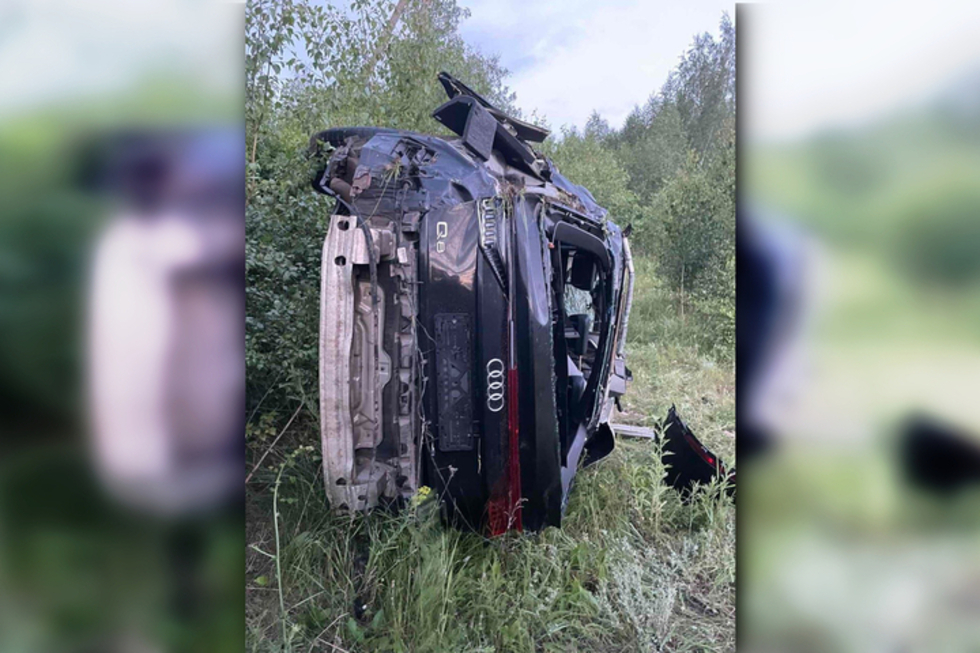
[[121, 326], [859, 211], [859, 166]]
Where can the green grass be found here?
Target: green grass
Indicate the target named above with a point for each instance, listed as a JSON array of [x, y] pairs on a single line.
[[633, 568]]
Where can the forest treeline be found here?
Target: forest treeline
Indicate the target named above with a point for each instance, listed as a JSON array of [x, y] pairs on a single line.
[[669, 170]]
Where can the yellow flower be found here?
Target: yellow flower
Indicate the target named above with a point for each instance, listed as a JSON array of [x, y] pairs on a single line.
[[421, 495]]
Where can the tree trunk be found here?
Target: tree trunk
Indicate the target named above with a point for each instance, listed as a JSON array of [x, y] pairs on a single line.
[[382, 43]]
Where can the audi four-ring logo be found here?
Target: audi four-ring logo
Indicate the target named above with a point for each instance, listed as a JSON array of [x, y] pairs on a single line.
[[495, 385]]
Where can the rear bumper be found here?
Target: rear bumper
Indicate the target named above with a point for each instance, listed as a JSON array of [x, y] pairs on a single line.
[[336, 334], [367, 388]]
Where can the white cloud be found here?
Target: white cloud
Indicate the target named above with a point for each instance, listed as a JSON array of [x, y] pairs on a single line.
[[570, 58]]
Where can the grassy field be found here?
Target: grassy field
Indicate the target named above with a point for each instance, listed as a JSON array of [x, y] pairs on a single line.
[[633, 569]]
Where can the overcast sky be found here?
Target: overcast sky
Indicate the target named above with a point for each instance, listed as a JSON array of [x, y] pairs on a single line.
[[809, 66], [567, 58]]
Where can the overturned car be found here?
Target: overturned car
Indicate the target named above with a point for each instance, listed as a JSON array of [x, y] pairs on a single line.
[[474, 305]]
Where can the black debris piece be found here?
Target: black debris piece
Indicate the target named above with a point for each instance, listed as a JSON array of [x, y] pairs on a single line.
[[687, 460]]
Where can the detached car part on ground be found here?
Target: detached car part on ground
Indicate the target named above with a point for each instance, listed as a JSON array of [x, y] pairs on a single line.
[[473, 319]]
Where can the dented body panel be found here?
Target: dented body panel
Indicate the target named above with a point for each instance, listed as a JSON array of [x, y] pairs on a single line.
[[483, 354]]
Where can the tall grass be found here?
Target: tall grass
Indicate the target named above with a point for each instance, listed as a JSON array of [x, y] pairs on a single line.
[[633, 569]]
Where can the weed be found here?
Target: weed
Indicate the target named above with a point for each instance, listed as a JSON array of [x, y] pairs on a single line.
[[633, 569]]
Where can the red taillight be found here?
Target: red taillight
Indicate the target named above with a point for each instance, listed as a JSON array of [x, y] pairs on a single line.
[[497, 517], [504, 507], [514, 461], [702, 452]]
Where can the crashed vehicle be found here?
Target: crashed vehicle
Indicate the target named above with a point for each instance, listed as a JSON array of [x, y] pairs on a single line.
[[474, 305]]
